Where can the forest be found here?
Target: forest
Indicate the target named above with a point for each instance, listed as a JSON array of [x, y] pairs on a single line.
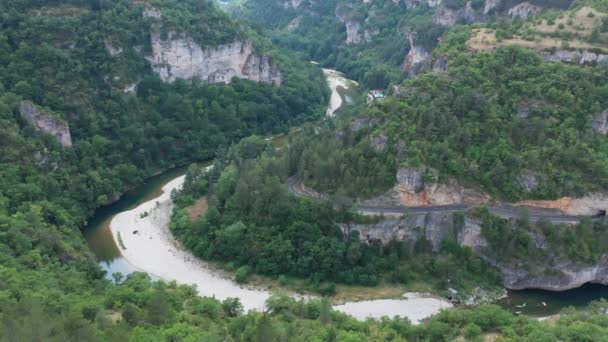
[[55, 54], [288, 236], [492, 119]]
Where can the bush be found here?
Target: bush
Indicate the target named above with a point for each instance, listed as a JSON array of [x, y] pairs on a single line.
[[471, 331], [242, 274]]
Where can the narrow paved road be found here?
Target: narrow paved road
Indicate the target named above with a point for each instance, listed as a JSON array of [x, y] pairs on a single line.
[[294, 187]]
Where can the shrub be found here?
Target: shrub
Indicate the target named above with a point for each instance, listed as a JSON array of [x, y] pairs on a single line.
[[242, 274]]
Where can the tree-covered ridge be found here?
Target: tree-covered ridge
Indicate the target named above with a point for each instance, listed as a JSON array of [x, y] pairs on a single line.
[[249, 205], [491, 119], [75, 58]]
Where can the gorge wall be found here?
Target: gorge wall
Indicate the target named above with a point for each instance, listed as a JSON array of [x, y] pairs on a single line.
[[552, 273], [181, 57]]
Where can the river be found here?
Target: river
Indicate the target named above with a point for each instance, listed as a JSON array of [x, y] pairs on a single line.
[[141, 220]]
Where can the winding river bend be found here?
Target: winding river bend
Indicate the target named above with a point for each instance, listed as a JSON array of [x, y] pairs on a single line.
[[132, 235]]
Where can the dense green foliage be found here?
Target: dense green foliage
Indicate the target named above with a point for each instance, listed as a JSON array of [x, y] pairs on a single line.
[[316, 32], [249, 205], [490, 120]]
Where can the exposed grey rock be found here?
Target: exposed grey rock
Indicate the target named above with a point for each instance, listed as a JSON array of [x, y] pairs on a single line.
[[415, 59], [359, 124], [434, 227], [600, 123], [354, 32], [411, 180], [401, 151], [46, 122], [523, 112], [490, 6], [527, 181], [438, 227], [574, 57], [561, 276], [524, 10], [441, 64], [112, 50], [181, 57], [378, 142], [151, 13]]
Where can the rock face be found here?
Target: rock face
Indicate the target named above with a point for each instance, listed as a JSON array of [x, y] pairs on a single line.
[[600, 123], [524, 10], [378, 143], [527, 181], [46, 123], [411, 180], [415, 59], [438, 227], [181, 57], [412, 190], [440, 65], [564, 276], [354, 32], [574, 57]]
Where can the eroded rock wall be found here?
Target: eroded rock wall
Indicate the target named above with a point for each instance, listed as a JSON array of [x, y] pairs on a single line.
[[181, 57], [46, 122]]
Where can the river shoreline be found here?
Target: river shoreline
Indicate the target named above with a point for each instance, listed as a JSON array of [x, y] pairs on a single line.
[[150, 247]]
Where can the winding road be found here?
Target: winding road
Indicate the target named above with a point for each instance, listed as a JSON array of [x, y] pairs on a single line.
[[294, 186]]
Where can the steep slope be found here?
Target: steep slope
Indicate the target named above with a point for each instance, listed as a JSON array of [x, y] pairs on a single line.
[[379, 42], [84, 117]]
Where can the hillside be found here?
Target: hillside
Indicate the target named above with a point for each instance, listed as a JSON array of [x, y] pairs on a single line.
[[382, 42], [85, 116]]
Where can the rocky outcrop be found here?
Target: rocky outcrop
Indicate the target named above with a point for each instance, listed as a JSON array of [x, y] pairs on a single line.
[[411, 180], [355, 32], [547, 274], [560, 277], [181, 57], [600, 123], [526, 181], [416, 57], [524, 10], [294, 4], [412, 189], [433, 227], [490, 6], [46, 122], [449, 17], [574, 57], [441, 64], [378, 142]]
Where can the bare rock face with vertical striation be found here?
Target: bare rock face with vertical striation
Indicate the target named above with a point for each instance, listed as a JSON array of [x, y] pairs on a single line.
[[181, 57], [600, 123], [46, 122]]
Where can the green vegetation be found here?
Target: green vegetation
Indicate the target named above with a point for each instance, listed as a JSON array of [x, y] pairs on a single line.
[[491, 119], [249, 205], [511, 240]]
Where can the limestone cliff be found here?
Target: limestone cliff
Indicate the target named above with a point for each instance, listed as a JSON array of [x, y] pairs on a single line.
[[417, 57], [552, 273], [419, 187], [575, 57], [45, 122], [181, 57], [355, 33]]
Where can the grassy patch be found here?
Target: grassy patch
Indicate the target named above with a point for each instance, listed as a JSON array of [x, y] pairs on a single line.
[[198, 209], [571, 32]]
